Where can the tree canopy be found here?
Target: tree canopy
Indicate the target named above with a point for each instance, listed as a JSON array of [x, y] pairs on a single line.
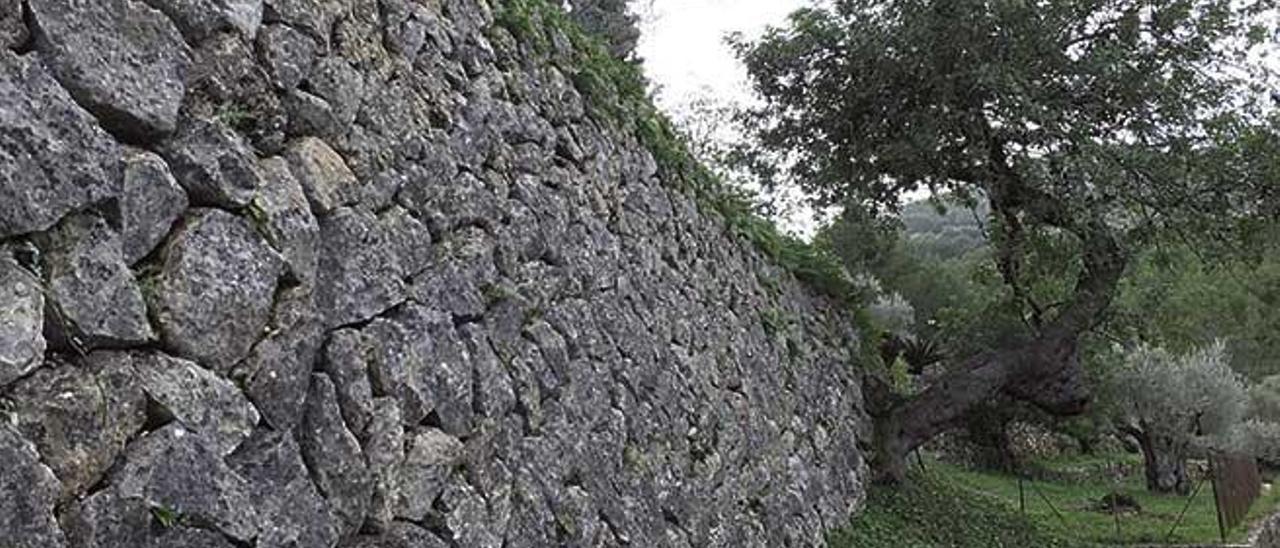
[[1091, 129]]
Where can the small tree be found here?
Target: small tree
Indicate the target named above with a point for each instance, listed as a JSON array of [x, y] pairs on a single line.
[[1177, 406]]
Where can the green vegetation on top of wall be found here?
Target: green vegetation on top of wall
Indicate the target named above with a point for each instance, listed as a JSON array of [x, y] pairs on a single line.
[[616, 94]]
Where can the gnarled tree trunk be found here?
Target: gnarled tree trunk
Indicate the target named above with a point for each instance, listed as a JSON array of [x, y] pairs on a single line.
[[1046, 371], [1164, 460]]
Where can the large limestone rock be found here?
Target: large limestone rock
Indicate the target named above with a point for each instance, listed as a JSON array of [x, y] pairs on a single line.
[[359, 275], [181, 473], [80, 416], [28, 491], [152, 201], [287, 221], [198, 399], [294, 514], [21, 321], [214, 292], [108, 519], [91, 290], [13, 30], [326, 179], [278, 370], [429, 463], [53, 156], [213, 164], [121, 60], [333, 455], [200, 19]]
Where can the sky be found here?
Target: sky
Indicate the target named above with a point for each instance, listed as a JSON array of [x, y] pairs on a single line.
[[686, 57], [682, 44]]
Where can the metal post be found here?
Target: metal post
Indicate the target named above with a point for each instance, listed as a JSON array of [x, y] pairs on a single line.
[[1022, 497], [1115, 516], [1169, 538], [1213, 478]]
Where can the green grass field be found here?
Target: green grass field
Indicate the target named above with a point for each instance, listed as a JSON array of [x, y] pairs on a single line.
[[948, 506]]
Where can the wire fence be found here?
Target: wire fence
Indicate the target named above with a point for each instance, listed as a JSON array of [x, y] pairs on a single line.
[[1235, 482]]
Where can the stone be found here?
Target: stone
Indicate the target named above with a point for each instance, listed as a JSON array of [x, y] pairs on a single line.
[[400, 535], [181, 472], [109, 520], [212, 163], [28, 492], [397, 368], [345, 362], [92, 293], [121, 60], [54, 158], [358, 277], [325, 178], [22, 341], [232, 87], [294, 514], [13, 30], [465, 516], [383, 446], [446, 374], [213, 295], [333, 456], [494, 396], [80, 416], [286, 220], [200, 400], [279, 367], [342, 87], [199, 19], [287, 54], [152, 201], [313, 17], [429, 462]]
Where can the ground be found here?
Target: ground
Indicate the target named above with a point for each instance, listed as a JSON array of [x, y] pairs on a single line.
[[949, 506]]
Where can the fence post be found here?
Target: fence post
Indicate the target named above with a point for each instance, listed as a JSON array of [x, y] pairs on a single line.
[[1217, 504], [1022, 497]]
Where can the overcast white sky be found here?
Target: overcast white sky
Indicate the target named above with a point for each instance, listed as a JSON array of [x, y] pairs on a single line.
[[683, 44], [685, 56]]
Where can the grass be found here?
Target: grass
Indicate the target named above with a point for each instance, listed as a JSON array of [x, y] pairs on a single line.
[[935, 512], [1079, 522], [953, 507]]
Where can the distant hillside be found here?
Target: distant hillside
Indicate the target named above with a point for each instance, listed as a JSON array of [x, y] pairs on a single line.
[[952, 232]]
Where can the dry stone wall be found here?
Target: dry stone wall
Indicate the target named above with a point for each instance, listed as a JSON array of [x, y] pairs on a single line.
[[366, 273]]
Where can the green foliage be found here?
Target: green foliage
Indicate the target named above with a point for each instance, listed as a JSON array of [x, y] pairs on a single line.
[[616, 93], [1174, 298], [167, 517], [933, 511]]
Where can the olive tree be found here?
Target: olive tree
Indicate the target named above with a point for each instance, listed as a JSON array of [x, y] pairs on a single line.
[[1097, 123], [1175, 406]]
